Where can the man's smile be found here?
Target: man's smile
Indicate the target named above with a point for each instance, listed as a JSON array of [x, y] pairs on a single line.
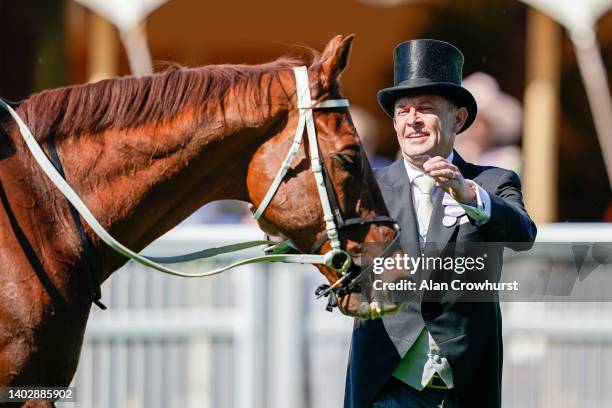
[[417, 136]]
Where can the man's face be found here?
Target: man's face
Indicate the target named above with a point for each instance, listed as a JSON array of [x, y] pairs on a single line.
[[426, 125]]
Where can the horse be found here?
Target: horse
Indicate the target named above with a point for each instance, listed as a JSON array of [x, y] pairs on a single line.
[[143, 154]]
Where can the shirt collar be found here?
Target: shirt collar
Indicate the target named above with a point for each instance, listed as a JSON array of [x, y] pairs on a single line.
[[414, 172]]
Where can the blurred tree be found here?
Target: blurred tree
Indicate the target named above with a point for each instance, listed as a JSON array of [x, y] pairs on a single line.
[[32, 47], [50, 65]]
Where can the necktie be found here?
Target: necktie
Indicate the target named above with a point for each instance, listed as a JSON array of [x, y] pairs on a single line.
[[425, 184]]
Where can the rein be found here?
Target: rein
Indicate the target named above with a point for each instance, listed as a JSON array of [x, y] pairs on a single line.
[[336, 259]]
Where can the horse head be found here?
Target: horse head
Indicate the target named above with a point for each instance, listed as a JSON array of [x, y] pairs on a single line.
[[296, 210]]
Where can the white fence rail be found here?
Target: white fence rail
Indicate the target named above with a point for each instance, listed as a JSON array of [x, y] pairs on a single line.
[[255, 337]]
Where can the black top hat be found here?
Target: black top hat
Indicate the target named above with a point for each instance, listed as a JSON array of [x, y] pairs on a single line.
[[428, 67]]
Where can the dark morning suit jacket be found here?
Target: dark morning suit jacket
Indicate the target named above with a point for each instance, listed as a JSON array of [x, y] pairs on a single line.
[[468, 333]]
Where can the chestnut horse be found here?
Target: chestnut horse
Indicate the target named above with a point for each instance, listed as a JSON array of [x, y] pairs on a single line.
[[143, 154]]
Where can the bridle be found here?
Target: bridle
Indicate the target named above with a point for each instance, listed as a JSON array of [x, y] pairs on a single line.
[[337, 259], [332, 215]]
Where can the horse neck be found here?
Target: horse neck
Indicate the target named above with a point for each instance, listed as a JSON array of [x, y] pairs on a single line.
[[141, 182]]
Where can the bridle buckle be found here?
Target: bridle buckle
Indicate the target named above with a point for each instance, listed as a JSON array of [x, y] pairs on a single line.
[[333, 260]]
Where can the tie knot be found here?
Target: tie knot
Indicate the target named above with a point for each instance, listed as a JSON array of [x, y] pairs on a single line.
[[425, 184]]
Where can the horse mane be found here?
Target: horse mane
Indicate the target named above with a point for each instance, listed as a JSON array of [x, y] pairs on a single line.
[[129, 101]]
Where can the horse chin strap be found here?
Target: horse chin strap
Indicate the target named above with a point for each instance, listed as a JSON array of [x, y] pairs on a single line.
[[336, 259]]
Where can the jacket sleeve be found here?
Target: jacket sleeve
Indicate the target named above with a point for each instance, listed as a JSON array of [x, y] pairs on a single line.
[[509, 222]]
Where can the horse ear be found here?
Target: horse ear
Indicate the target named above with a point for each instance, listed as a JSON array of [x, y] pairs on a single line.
[[334, 59]]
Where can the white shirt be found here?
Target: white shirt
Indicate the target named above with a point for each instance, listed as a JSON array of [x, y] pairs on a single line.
[[424, 358]]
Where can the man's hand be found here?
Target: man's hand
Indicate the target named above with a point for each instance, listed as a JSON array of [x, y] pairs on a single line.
[[449, 178]]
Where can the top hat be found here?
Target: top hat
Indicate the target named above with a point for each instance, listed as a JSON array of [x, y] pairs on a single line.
[[428, 67]]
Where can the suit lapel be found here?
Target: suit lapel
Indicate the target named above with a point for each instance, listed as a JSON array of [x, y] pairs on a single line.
[[437, 233], [403, 327], [398, 197]]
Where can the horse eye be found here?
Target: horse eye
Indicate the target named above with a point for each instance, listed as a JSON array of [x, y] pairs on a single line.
[[351, 162]]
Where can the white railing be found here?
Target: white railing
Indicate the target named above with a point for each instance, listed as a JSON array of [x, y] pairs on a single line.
[[255, 337]]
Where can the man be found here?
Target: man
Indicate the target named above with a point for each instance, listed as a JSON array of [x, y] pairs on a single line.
[[437, 353]]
